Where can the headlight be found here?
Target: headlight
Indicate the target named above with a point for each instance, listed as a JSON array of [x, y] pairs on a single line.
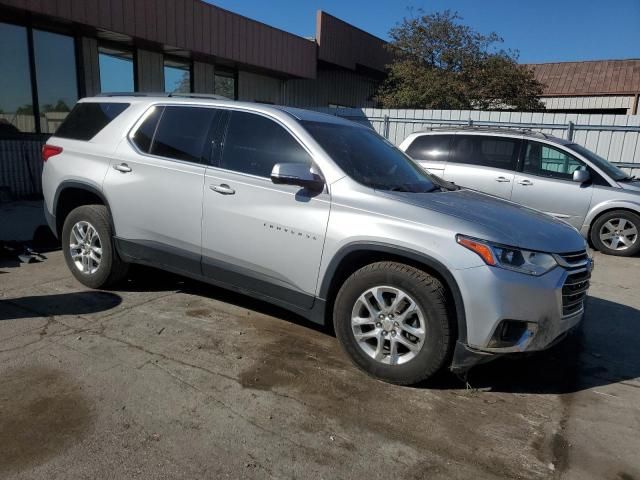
[[510, 258]]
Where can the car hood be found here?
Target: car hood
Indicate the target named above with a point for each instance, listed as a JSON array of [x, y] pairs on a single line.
[[499, 220]]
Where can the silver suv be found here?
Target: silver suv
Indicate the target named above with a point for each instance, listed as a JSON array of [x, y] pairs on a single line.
[[316, 214], [550, 174]]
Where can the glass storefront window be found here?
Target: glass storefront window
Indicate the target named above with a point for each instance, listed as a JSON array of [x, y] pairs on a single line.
[[225, 85], [16, 103], [177, 76], [116, 70], [56, 77]]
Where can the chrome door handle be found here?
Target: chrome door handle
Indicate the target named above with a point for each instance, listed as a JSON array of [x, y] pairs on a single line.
[[502, 179], [123, 167], [525, 182], [223, 188]]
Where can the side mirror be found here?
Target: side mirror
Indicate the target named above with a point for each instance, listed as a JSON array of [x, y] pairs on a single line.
[[581, 176], [296, 174]]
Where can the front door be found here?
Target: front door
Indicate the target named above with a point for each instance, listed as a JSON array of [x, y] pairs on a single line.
[[257, 235], [546, 184], [483, 163]]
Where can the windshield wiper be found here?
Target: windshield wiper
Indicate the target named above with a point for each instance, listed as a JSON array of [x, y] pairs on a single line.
[[628, 178]]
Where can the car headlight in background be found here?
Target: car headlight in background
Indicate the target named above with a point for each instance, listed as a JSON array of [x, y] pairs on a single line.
[[510, 258]]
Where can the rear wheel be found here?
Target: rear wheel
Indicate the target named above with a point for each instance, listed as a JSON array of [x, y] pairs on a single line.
[[616, 233], [88, 249], [392, 321]]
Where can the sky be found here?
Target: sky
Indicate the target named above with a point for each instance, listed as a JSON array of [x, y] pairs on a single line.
[[541, 30]]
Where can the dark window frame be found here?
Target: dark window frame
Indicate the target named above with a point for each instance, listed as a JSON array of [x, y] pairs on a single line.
[[516, 162], [221, 140], [596, 177], [32, 65], [212, 134], [177, 59], [123, 48]]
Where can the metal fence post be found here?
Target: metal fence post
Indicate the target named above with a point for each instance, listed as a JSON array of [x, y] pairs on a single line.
[[470, 122], [385, 128], [570, 126]]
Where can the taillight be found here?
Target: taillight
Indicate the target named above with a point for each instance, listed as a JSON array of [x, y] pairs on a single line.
[[49, 151]]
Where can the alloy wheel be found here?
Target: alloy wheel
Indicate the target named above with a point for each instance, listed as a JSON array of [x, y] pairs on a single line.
[[618, 234], [388, 325], [85, 247]]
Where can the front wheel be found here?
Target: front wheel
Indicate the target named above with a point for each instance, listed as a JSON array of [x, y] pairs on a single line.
[[392, 321], [616, 233], [88, 247]]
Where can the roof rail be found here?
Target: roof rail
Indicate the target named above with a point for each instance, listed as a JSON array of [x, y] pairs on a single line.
[[163, 94], [478, 128]]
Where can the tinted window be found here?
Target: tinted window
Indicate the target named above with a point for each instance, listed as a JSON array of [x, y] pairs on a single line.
[[144, 134], [487, 151], [116, 70], [183, 132], [369, 159], [541, 159], [56, 78], [254, 144], [16, 107], [430, 147], [87, 119], [225, 85], [177, 76]]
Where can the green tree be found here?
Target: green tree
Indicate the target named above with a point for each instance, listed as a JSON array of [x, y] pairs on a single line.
[[438, 62]]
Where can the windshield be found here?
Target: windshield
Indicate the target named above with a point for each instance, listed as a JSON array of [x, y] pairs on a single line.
[[611, 170], [371, 160]]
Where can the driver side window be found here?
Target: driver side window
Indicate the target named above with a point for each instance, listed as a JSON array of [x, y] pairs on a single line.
[[544, 160]]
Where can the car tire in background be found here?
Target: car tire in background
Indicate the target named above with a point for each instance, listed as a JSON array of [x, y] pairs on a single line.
[[392, 320], [617, 233], [87, 245]]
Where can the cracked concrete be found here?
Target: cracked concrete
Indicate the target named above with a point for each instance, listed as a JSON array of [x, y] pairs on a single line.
[[169, 378]]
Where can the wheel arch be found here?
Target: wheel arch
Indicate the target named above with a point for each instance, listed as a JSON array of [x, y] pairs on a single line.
[[71, 194], [356, 255]]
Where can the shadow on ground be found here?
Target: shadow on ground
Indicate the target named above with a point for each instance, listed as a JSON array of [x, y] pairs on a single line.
[[79, 303]]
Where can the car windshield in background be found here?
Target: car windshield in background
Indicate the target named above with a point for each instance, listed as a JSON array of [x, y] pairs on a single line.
[[371, 160], [614, 172]]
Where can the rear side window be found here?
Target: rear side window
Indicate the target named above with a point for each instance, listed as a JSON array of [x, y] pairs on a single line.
[[495, 152], [430, 147], [254, 144], [143, 136], [182, 133], [88, 118]]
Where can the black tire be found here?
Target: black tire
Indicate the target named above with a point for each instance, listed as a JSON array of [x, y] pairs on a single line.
[[598, 244], [428, 294], [111, 268]]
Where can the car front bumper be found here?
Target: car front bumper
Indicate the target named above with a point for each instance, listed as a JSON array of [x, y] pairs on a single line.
[[542, 309]]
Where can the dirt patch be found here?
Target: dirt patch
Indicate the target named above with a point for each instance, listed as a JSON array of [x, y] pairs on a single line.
[[454, 425], [42, 413]]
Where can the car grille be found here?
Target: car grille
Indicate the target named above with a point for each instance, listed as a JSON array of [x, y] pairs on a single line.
[[574, 290]]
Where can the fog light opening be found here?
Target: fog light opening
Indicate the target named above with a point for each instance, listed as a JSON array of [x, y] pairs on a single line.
[[511, 333]]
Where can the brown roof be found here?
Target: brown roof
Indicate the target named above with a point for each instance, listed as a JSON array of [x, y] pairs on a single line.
[[601, 77]]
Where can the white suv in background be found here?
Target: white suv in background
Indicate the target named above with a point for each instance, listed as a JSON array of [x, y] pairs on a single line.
[[550, 174]]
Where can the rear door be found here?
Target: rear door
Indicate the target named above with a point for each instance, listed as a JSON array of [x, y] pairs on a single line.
[[257, 235], [154, 186], [483, 162], [431, 152], [546, 183]]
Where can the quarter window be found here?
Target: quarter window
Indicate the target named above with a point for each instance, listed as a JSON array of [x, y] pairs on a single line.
[[541, 159], [254, 144], [88, 118], [430, 147], [489, 151], [182, 133], [143, 136]]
